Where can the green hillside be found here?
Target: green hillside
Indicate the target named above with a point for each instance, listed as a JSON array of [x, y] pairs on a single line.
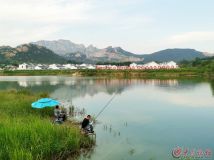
[[176, 55], [29, 53]]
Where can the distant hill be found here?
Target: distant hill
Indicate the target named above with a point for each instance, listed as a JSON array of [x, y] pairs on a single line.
[[62, 51], [78, 52], [176, 55], [29, 53], [116, 54], [72, 51], [65, 47]]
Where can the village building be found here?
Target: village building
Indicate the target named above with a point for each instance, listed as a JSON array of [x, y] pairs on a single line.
[[69, 66], [91, 67], [53, 67], [151, 65], [133, 66], [23, 66]]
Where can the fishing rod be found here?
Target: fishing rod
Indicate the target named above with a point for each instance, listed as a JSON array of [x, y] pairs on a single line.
[[105, 106]]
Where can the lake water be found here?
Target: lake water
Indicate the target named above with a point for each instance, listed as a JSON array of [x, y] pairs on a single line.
[[145, 120]]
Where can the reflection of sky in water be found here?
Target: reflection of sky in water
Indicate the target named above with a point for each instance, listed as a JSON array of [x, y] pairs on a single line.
[[146, 119], [158, 120]]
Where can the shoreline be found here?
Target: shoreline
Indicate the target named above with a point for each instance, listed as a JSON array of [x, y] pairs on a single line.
[[27, 133], [160, 74]]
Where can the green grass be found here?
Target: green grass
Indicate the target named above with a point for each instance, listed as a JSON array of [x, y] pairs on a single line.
[[27, 133]]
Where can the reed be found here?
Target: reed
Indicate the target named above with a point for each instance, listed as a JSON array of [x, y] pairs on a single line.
[[27, 133]]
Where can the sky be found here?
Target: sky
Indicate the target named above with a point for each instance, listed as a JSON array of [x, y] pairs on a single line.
[[138, 26]]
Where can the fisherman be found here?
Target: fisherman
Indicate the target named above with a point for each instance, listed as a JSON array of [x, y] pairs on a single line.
[[87, 125], [59, 114]]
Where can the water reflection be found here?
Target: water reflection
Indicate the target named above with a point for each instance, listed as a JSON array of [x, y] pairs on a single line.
[[75, 87], [212, 86], [146, 119], [68, 88]]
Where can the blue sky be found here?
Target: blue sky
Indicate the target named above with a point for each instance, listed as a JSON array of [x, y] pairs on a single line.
[[139, 26]]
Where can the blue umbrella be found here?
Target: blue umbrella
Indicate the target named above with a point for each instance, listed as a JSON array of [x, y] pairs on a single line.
[[45, 102]]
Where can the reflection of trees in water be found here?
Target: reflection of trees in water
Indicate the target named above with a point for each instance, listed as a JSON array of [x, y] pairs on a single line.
[[88, 87], [91, 87], [43, 87], [183, 85], [69, 87]]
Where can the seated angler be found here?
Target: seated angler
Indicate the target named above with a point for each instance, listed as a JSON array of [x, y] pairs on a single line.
[[87, 125], [60, 115]]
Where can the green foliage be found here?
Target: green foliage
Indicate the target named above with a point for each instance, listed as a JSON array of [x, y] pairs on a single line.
[[186, 70], [27, 133], [205, 64], [43, 95]]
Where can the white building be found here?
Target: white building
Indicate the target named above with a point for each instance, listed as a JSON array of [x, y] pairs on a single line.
[[133, 66], [169, 65], [38, 68], [69, 66], [152, 65], [23, 66], [82, 66], [53, 66], [91, 67], [172, 64]]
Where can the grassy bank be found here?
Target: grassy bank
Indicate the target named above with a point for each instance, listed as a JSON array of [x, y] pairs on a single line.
[[27, 133], [174, 73]]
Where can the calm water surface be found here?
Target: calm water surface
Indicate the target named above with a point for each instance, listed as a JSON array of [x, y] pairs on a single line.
[[145, 120]]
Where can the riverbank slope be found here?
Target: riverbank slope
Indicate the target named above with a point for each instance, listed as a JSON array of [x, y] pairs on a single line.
[[27, 133]]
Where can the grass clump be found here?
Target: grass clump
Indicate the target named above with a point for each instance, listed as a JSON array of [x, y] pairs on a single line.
[[27, 133]]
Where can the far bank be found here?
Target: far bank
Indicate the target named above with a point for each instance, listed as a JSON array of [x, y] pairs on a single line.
[[162, 73]]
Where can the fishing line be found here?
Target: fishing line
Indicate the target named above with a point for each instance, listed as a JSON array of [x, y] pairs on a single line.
[[107, 104]]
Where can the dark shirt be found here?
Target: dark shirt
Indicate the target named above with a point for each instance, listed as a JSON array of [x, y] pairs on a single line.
[[85, 123]]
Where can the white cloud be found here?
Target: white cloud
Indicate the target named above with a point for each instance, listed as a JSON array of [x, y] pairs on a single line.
[[21, 36], [29, 20], [185, 101], [120, 22], [189, 98], [50, 11], [199, 40], [192, 37]]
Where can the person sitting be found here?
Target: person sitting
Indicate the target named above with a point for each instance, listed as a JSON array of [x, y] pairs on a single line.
[[63, 114], [59, 114], [87, 125]]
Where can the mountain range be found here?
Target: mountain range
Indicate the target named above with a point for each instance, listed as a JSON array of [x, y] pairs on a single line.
[[79, 52], [29, 53], [62, 51]]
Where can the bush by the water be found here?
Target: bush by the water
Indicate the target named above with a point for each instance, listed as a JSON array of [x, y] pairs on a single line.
[[27, 133]]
